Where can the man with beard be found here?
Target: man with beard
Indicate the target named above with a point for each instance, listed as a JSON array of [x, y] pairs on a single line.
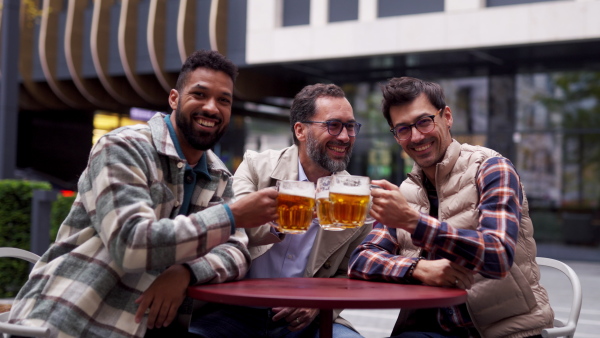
[[324, 131], [459, 220], [153, 215]]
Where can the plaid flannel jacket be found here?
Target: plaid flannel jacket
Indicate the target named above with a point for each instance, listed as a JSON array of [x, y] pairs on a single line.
[[123, 230]]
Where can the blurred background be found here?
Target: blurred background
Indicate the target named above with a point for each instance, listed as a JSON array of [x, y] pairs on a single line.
[[521, 76]]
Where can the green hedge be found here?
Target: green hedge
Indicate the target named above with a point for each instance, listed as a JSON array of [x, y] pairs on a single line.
[[15, 224], [60, 210]]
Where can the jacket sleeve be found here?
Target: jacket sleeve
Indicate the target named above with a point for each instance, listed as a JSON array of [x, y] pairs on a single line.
[[246, 180], [489, 249], [378, 257], [121, 202]]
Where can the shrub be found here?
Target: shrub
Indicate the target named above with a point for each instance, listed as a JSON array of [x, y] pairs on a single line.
[[15, 225], [60, 210]]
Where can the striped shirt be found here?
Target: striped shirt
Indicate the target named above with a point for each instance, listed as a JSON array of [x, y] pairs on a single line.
[[487, 250], [124, 229]]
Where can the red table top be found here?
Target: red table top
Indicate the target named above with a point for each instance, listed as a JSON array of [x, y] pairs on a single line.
[[327, 293]]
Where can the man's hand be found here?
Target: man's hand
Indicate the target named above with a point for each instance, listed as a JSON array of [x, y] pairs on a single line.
[[255, 209], [390, 207], [442, 272], [163, 297], [299, 318]]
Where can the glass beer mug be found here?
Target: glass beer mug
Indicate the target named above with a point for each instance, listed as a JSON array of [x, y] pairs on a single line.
[[295, 205], [349, 196], [324, 205]]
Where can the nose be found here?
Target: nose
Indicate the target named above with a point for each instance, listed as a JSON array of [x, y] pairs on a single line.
[[415, 134], [211, 106], [343, 136]]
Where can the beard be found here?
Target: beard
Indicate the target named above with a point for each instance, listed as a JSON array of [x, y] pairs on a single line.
[[199, 140], [319, 154]]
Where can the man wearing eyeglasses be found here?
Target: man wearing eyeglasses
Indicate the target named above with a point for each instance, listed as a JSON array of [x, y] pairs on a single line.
[[460, 220], [324, 131]]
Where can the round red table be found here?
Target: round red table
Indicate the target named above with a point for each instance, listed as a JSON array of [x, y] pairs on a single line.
[[327, 294]]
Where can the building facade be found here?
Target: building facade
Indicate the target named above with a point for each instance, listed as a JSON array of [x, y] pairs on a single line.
[[522, 77]]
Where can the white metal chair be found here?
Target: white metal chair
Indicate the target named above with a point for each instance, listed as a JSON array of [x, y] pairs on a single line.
[[564, 329], [14, 329]]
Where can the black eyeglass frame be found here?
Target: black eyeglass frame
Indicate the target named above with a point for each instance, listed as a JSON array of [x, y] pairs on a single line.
[[410, 126], [344, 125]]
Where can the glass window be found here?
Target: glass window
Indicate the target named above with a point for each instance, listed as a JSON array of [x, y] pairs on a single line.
[[296, 12], [343, 10], [387, 8]]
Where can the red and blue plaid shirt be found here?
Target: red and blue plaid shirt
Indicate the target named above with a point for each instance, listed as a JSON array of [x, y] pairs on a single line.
[[487, 250]]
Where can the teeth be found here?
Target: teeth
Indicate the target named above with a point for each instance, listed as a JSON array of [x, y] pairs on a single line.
[[205, 123], [423, 147], [338, 149]]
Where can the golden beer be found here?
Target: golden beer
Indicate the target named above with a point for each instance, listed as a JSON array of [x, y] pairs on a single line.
[[295, 213], [324, 215], [295, 206], [349, 210], [350, 196]]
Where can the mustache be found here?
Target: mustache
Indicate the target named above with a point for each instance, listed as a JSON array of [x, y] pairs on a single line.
[[337, 143]]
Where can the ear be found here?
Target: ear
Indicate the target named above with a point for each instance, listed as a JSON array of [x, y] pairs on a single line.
[[448, 117], [300, 131], [173, 98]]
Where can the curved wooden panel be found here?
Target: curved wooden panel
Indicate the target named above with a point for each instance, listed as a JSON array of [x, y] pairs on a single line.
[[119, 89], [156, 43], [91, 89], [39, 90], [145, 85], [186, 28], [48, 47], [217, 27]]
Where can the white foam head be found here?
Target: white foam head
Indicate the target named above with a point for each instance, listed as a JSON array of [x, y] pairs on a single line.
[[297, 188], [323, 194], [351, 185]]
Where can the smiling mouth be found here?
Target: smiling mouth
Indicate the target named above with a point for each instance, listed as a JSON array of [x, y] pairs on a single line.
[[205, 123], [423, 147], [337, 149]]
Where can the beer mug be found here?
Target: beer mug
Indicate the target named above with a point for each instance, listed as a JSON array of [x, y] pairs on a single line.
[[350, 197], [370, 220], [324, 205], [295, 205]]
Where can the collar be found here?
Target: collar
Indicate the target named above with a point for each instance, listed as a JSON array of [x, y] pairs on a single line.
[[202, 165]]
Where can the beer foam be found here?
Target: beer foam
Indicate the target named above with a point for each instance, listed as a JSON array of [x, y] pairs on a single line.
[[323, 194], [361, 190], [304, 191]]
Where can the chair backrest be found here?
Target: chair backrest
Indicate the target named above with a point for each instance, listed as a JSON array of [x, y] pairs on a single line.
[[562, 329], [16, 329]]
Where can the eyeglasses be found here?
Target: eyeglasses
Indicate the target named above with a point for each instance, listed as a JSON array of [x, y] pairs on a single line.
[[425, 125], [334, 128]]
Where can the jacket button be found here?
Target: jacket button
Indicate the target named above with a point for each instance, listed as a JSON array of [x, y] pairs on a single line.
[[180, 165], [189, 179], [327, 265]]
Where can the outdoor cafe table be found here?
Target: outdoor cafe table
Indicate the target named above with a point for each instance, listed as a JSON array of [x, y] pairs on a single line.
[[327, 294]]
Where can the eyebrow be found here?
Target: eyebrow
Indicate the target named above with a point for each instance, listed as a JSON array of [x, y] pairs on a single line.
[[415, 121], [198, 86]]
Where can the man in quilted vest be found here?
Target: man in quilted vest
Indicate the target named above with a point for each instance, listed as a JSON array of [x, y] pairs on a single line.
[[460, 220], [154, 213]]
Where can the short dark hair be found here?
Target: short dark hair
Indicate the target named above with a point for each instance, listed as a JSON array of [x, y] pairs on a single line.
[[399, 91], [205, 59], [304, 105]]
